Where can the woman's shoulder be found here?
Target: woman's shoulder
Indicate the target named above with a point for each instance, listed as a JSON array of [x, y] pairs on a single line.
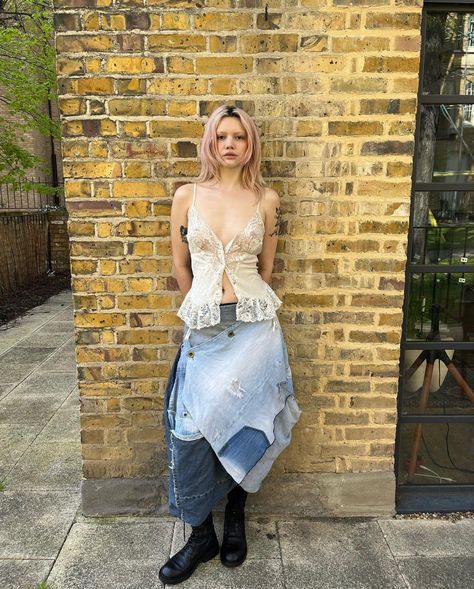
[[270, 197], [183, 195]]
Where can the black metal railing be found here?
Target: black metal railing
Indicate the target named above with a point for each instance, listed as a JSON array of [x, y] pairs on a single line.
[[35, 194]]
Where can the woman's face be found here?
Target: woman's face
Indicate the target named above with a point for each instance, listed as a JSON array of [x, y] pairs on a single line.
[[231, 141]]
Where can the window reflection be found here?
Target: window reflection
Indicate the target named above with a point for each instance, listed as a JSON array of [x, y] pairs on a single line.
[[448, 66], [446, 145], [443, 455], [445, 394], [443, 228], [440, 303]]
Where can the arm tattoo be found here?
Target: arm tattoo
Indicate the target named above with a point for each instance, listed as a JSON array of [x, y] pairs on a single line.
[[183, 232], [276, 231]]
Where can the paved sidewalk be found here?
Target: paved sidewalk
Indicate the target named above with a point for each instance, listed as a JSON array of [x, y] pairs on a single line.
[[44, 537]]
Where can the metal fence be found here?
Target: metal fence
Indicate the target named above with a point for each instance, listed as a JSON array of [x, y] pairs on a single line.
[[24, 249], [26, 197]]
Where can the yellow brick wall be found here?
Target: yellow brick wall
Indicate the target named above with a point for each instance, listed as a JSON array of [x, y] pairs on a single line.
[[332, 86]]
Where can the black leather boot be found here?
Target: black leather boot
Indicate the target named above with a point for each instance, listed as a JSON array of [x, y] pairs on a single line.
[[234, 542], [201, 546]]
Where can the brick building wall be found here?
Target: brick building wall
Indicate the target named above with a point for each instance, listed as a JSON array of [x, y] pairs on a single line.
[[58, 242], [332, 86], [36, 144]]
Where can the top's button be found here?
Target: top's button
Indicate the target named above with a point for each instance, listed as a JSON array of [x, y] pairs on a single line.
[[231, 334]]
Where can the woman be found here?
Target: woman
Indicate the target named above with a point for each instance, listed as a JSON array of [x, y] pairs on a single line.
[[229, 404]]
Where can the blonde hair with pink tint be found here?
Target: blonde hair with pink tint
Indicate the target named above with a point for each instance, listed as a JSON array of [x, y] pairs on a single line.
[[210, 160]]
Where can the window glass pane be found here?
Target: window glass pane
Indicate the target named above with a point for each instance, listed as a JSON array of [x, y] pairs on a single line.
[[440, 304], [446, 144], [443, 228], [444, 395], [443, 455], [448, 66]]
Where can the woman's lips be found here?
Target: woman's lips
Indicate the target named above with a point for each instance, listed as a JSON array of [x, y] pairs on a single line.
[[230, 155]]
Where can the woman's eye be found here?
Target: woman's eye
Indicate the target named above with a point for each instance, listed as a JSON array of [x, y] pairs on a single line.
[[238, 137]]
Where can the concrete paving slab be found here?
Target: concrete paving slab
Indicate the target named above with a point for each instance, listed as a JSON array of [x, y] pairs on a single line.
[[29, 410], [20, 355], [14, 440], [48, 384], [45, 339], [407, 537], [261, 569], [54, 327], [23, 574], [4, 346], [333, 554], [22, 327], [252, 574], [18, 329], [112, 556], [5, 389], [28, 322], [47, 465], [64, 426], [6, 343], [63, 360], [72, 400], [14, 373], [47, 311], [262, 538], [54, 306], [35, 523], [66, 314], [438, 572]]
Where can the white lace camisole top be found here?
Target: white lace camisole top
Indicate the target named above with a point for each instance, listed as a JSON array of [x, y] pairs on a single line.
[[238, 258]]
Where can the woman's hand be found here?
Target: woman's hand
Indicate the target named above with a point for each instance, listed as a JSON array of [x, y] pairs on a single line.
[[270, 208], [179, 243]]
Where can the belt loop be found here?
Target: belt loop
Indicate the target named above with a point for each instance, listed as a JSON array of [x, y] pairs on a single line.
[[187, 334]]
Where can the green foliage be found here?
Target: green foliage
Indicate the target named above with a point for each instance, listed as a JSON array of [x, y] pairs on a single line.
[[27, 81], [44, 585]]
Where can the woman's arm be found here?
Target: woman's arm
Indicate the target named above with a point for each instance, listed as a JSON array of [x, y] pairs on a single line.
[[179, 244], [270, 208]]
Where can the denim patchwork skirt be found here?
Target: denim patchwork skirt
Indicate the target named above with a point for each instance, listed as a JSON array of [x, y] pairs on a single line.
[[228, 413]]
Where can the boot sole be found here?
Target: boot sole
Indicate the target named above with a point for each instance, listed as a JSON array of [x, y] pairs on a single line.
[[175, 580]]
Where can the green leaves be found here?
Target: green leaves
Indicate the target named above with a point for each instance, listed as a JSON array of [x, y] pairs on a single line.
[[27, 80]]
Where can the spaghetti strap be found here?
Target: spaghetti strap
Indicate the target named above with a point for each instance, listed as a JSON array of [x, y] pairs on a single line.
[[258, 205], [194, 193]]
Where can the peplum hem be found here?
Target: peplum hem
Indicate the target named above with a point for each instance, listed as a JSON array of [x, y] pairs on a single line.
[[201, 316], [249, 309], [257, 309]]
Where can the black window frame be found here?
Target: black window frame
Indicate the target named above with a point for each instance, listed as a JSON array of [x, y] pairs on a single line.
[[429, 497]]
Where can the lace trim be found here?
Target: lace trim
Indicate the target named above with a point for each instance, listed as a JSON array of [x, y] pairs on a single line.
[[248, 310], [199, 317], [253, 309]]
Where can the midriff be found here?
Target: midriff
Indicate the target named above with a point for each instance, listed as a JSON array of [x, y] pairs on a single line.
[[228, 294]]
